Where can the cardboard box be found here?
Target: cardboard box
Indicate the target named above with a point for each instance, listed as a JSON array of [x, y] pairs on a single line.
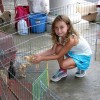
[[90, 16], [82, 25], [84, 8]]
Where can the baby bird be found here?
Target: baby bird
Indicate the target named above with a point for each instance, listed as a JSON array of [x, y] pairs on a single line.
[[29, 58]]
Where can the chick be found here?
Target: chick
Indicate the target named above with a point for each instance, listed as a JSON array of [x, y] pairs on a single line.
[[29, 58], [22, 69]]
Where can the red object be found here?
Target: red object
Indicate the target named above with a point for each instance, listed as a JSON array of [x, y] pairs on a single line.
[[20, 90], [7, 49], [21, 12], [1, 6]]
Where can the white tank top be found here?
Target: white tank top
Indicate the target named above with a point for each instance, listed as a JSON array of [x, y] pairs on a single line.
[[82, 48]]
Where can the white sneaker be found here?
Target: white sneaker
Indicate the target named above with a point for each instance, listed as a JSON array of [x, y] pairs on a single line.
[[59, 75], [80, 73]]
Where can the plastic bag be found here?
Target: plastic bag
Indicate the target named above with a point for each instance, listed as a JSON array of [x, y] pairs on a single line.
[[39, 6], [22, 27]]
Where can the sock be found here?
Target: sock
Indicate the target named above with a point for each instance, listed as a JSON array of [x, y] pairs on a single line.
[[64, 70]]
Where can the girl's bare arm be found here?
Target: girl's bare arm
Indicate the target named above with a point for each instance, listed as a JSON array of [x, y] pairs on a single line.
[[68, 45], [48, 52]]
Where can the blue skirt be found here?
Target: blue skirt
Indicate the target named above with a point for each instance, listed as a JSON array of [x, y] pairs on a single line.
[[81, 61]]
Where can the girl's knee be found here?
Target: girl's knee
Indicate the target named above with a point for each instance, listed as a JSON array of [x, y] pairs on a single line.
[[67, 64]]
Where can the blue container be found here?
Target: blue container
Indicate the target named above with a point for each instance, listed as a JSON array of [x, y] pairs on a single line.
[[38, 22]]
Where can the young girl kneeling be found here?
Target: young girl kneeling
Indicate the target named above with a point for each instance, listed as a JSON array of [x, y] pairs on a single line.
[[67, 42]]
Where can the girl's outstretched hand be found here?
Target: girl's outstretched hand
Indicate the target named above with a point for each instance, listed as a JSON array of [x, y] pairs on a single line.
[[37, 59]]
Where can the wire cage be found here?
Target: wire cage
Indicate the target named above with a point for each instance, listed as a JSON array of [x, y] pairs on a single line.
[[29, 83], [28, 88], [32, 83]]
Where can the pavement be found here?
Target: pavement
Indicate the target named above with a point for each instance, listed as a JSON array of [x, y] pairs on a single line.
[[71, 88]]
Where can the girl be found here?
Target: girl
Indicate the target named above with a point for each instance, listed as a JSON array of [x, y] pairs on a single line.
[[68, 43]]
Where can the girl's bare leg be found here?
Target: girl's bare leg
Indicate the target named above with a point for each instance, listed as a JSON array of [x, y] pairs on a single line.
[[59, 47], [67, 63]]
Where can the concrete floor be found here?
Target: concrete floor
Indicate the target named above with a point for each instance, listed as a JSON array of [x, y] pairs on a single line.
[[71, 88]]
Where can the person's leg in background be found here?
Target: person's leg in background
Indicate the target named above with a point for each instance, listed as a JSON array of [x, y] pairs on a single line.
[[30, 3], [1, 6]]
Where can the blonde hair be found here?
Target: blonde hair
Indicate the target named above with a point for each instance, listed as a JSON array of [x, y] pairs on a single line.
[[70, 31]]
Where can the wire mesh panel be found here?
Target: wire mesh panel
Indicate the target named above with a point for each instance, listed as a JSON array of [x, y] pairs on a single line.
[[47, 94], [7, 94], [26, 84], [33, 86], [32, 82], [36, 86]]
